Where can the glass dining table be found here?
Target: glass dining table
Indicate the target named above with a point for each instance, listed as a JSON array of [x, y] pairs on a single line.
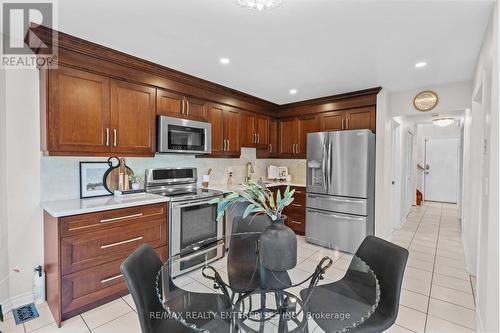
[[237, 294]]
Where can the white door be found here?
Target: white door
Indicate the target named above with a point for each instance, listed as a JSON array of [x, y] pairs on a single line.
[[396, 175], [409, 169], [441, 174]]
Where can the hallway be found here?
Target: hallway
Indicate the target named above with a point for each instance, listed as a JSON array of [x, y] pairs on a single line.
[[437, 294]]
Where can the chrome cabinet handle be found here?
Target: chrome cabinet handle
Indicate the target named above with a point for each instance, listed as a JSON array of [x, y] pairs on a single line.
[[187, 107], [115, 136], [258, 138], [347, 123], [342, 126], [295, 222], [293, 149], [270, 148], [122, 242], [107, 137], [111, 278], [297, 205], [121, 218], [228, 144], [224, 145], [255, 138], [298, 148], [182, 106]]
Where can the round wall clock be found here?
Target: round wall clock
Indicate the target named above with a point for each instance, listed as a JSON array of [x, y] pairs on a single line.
[[425, 101]]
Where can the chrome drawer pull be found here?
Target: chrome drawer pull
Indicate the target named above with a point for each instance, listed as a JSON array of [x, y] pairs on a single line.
[[111, 278], [297, 205], [295, 222], [122, 242], [121, 218]]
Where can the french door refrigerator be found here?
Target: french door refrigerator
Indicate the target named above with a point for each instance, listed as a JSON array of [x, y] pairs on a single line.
[[340, 202]]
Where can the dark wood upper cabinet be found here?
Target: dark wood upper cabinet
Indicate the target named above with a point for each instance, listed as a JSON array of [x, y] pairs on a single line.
[[248, 130], [195, 109], [78, 118], [262, 130], [254, 130], [362, 118], [215, 117], [133, 118], [179, 106], [272, 148], [169, 104], [288, 134], [232, 132], [225, 131], [308, 124], [332, 121]]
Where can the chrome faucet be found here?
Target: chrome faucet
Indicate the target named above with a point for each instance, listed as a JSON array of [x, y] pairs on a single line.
[[250, 170]]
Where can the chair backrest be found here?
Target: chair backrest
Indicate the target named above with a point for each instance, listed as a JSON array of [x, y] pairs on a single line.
[[388, 262], [140, 270]]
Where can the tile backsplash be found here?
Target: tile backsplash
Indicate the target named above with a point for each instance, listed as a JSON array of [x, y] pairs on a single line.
[[60, 175]]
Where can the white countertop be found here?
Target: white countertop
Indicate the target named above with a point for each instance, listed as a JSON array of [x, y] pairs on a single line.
[[237, 187], [81, 206]]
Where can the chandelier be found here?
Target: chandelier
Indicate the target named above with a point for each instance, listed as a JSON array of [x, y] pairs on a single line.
[[443, 122], [259, 4]]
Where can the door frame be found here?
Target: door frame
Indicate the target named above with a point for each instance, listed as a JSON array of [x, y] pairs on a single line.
[[410, 189], [395, 174]]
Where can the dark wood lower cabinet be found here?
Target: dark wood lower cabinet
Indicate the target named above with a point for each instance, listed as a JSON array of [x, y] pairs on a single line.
[[296, 211], [83, 254]]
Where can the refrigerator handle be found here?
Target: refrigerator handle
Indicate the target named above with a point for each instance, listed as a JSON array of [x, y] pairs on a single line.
[[330, 163], [324, 164]]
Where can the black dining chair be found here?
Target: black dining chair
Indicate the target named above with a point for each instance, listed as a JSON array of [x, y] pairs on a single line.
[[388, 262], [140, 271], [243, 266]]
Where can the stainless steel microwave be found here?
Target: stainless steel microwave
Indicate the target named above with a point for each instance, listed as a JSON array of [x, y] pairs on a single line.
[[183, 136]]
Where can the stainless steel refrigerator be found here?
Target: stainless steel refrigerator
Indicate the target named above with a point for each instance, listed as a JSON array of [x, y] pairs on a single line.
[[340, 202]]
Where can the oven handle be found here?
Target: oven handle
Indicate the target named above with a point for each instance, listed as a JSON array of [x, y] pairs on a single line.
[[194, 254], [192, 203]]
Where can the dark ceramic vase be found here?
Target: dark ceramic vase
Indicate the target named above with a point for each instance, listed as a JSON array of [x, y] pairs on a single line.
[[278, 247]]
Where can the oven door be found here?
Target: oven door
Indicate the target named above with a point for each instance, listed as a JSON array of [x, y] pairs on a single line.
[[193, 226], [183, 136]]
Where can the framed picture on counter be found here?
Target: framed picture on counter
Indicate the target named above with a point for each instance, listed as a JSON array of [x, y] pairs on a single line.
[[92, 179]]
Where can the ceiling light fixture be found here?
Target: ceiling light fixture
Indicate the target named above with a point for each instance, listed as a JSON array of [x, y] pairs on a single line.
[[224, 60], [292, 91], [443, 122], [420, 64], [259, 4]]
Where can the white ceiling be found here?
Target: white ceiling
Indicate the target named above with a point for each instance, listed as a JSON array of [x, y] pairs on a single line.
[[319, 47]]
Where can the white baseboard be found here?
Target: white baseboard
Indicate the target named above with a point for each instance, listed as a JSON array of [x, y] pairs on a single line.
[[16, 301]]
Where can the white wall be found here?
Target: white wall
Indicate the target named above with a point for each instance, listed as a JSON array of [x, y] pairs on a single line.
[[32, 178], [481, 199], [4, 259], [452, 97], [383, 226]]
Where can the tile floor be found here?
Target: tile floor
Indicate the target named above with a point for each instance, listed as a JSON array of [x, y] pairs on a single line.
[[437, 294]]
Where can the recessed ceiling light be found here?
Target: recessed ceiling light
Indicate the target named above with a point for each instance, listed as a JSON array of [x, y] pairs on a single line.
[[292, 91], [420, 64], [224, 60]]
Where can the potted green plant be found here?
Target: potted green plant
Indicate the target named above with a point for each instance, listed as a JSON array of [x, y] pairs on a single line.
[[278, 243], [136, 181]]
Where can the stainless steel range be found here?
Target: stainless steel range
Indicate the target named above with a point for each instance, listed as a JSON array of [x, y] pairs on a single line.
[[194, 233]]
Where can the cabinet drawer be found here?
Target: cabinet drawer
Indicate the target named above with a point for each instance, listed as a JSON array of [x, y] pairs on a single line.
[[297, 224], [94, 286], [77, 224], [92, 249]]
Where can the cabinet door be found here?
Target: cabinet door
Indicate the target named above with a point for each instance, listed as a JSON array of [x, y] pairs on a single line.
[[248, 130], [196, 109], [362, 118], [288, 132], [262, 130], [307, 124], [232, 131], [215, 116], [169, 104], [332, 121], [273, 137], [133, 118], [79, 113]]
